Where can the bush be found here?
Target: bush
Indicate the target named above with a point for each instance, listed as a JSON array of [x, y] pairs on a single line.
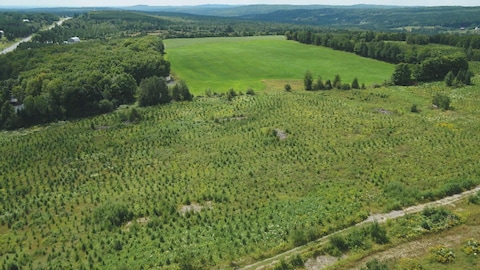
[[375, 265], [438, 218], [288, 87], [378, 233], [337, 245], [297, 261], [472, 247], [299, 238], [414, 108], [449, 79], [231, 94], [105, 106], [442, 254], [250, 92], [112, 214], [441, 101], [355, 84], [475, 199]]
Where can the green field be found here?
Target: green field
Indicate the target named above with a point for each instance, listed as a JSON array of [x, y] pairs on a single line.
[[241, 63], [209, 183]]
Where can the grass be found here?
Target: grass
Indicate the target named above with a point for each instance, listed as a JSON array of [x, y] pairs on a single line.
[[347, 154], [241, 63], [417, 252]]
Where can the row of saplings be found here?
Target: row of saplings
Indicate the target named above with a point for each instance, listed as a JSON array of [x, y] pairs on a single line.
[[311, 85]]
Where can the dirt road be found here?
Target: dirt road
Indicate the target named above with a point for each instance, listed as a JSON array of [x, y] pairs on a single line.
[[376, 217]]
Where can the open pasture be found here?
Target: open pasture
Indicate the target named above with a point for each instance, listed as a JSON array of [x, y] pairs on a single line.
[[220, 184], [241, 63]]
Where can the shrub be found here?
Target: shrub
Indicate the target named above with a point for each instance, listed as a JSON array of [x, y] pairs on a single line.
[[250, 92], [297, 261], [283, 265], [475, 199], [319, 84], [346, 86], [288, 87], [442, 254], [472, 247], [112, 214], [337, 245], [299, 238], [231, 94], [378, 233], [105, 106], [449, 78], [357, 239], [441, 101], [414, 108], [355, 84], [375, 265]]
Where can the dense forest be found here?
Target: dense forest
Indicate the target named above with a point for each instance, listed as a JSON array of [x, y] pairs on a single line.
[[69, 81], [18, 25]]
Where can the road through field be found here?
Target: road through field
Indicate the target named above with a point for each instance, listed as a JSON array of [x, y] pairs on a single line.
[[376, 217], [27, 39]]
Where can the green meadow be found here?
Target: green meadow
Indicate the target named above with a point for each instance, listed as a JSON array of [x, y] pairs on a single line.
[[220, 64], [218, 184]]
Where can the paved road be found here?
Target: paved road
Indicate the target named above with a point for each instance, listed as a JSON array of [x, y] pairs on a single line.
[[27, 39], [373, 218]]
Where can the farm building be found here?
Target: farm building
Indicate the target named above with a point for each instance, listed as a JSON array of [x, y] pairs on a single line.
[[73, 40]]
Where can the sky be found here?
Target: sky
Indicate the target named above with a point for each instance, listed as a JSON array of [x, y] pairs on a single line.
[[118, 3]]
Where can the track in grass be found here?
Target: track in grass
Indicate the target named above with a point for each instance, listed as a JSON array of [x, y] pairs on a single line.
[[241, 63]]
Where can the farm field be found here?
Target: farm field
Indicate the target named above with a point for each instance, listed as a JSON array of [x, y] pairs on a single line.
[[220, 64], [219, 184]]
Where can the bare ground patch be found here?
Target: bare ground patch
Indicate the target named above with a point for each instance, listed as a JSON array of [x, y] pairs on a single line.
[[320, 262], [282, 135], [195, 207]]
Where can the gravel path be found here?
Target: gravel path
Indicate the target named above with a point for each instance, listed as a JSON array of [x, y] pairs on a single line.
[[376, 217]]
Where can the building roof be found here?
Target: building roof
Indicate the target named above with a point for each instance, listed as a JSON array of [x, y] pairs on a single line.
[[74, 39]]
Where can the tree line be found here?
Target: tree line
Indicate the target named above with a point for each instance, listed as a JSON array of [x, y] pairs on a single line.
[[413, 65], [315, 85], [70, 81]]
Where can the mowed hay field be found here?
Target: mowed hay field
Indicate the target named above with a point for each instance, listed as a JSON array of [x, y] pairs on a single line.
[[220, 64]]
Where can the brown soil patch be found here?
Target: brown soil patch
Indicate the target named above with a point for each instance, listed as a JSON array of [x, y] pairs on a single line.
[[320, 262], [384, 111], [195, 207], [142, 220], [282, 135]]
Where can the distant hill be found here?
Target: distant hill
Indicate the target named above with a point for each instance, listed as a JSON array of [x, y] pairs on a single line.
[[376, 17], [362, 16], [372, 17]]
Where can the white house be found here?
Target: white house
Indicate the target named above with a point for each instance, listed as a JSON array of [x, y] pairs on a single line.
[[73, 40]]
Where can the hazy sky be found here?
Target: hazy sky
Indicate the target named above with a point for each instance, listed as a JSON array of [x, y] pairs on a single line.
[[89, 3]]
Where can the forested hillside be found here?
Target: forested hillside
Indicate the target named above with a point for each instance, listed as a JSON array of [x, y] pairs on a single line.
[[377, 18]]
